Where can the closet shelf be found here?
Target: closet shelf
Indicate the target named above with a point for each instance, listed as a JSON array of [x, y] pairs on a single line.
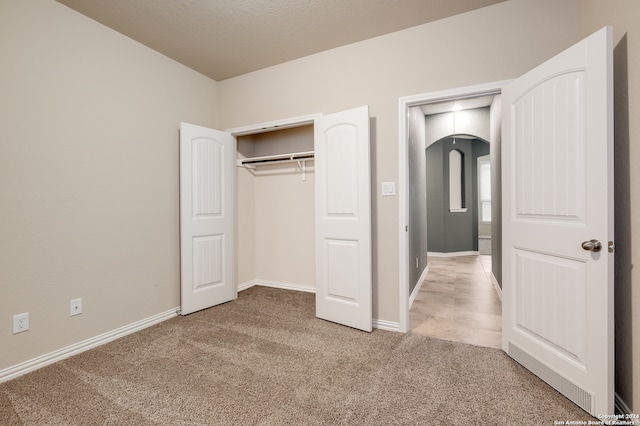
[[280, 158], [300, 157]]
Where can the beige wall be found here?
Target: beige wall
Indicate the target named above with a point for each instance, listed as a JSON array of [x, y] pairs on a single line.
[[285, 225], [624, 15], [491, 44], [88, 176]]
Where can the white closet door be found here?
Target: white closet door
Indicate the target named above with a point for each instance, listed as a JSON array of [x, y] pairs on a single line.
[[557, 173], [207, 217], [343, 218]]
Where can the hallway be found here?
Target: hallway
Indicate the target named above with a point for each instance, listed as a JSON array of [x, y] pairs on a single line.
[[458, 302]]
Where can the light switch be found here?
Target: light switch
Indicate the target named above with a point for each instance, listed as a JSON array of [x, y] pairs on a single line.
[[388, 188]]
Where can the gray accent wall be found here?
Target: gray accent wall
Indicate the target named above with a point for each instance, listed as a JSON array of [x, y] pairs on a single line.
[[447, 231], [435, 196], [495, 132], [417, 199]]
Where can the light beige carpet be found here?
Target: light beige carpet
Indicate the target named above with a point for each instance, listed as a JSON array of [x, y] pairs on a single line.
[[264, 359]]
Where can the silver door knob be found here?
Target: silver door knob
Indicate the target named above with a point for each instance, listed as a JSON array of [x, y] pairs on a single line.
[[593, 245]]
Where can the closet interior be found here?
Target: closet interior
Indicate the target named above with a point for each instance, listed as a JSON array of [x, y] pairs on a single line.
[[275, 199]]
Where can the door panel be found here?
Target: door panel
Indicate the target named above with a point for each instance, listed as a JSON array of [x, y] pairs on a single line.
[[551, 157], [207, 227], [549, 284], [342, 259], [208, 260], [208, 193], [557, 192], [343, 218]]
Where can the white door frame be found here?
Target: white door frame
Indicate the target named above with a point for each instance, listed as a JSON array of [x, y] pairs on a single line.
[[269, 126], [403, 179]]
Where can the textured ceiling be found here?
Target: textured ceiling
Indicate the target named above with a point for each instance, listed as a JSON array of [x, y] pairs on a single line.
[[226, 38]]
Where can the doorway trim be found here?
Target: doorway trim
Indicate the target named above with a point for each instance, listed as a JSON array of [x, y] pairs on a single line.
[[269, 126], [406, 102], [254, 129]]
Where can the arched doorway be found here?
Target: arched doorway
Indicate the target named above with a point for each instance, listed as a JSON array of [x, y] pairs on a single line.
[[412, 194], [453, 206]]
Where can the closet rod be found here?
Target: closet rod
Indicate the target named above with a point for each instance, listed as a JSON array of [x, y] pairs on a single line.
[[280, 158]]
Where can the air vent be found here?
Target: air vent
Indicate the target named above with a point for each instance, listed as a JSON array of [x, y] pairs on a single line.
[[579, 396]]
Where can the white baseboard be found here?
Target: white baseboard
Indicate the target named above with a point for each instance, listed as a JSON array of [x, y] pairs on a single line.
[[386, 325], [452, 254], [381, 324], [85, 345], [276, 284], [245, 285], [496, 285], [416, 289]]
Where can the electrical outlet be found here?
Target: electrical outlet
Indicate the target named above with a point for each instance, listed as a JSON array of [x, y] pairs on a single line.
[[20, 323], [75, 307]]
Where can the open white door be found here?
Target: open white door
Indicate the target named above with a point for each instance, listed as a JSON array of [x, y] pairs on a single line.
[[207, 217], [343, 218], [557, 170]]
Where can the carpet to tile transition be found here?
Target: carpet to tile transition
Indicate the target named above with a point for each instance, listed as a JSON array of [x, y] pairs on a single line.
[[264, 359]]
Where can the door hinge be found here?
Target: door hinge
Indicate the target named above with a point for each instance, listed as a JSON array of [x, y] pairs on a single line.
[[612, 246]]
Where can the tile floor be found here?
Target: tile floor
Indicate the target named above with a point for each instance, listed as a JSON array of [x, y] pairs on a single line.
[[458, 302]]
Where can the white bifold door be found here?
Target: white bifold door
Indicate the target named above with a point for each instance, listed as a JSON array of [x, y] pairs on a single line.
[[343, 218], [207, 217], [557, 157]]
